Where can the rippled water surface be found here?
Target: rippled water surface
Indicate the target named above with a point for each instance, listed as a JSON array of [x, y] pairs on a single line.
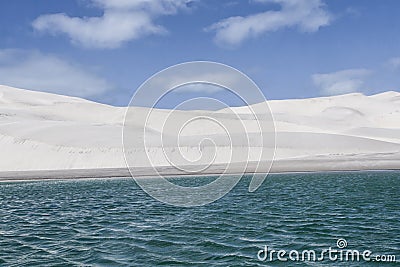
[[114, 223]]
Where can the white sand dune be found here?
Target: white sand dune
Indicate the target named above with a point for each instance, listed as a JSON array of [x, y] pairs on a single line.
[[42, 131]]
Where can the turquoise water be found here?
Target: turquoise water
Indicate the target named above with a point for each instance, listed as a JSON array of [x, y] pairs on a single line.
[[114, 223]]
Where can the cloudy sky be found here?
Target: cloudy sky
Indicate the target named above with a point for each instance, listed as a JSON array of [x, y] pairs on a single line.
[[104, 50]]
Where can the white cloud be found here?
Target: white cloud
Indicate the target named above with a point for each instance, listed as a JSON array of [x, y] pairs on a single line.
[[306, 15], [36, 71], [341, 82], [122, 21]]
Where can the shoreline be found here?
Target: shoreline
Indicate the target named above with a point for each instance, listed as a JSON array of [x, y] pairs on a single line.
[[278, 167]]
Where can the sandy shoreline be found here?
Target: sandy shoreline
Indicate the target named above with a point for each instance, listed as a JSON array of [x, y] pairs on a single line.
[[281, 166]]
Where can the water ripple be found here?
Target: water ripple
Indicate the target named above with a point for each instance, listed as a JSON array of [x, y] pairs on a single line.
[[114, 223]]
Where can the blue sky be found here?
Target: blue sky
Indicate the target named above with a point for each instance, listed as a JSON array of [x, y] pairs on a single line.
[[104, 49]]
